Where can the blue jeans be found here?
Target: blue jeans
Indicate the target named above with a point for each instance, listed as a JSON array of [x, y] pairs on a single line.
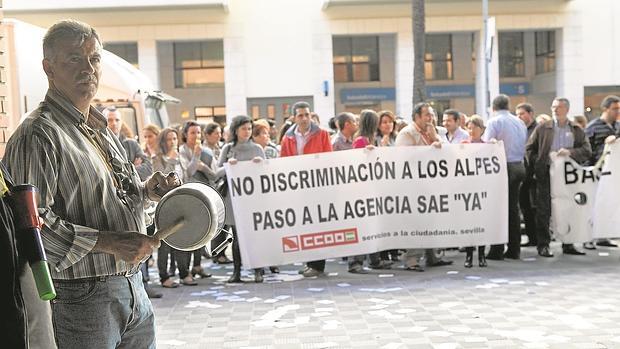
[[105, 312]]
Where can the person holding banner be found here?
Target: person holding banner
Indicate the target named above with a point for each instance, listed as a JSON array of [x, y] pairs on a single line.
[[567, 139], [240, 148], [421, 132], [475, 127], [508, 128], [385, 137], [597, 131], [369, 121], [347, 126], [305, 137]]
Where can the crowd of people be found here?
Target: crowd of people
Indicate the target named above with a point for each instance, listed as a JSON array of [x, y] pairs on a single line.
[[98, 187], [528, 140]]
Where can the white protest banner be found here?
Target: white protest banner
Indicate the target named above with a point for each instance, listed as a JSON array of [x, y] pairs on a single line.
[[360, 201], [573, 190], [606, 215]]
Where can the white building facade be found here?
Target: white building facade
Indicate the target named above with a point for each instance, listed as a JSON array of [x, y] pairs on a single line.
[[257, 57]]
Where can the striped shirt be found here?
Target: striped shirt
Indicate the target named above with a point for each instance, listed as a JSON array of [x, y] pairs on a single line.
[[597, 131], [54, 149]]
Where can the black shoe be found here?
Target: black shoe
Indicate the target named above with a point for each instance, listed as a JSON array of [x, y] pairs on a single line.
[[545, 252], [589, 245], [152, 293], [511, 255], [572, 251], [440, 263], [495, 257], [482, 262], [258, 275], [358, 269], [235, 278], [469, 260], [274, 270], [381, 265], [606, 243]]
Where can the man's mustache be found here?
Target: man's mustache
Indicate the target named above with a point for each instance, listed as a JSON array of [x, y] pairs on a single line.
[[87, 79]]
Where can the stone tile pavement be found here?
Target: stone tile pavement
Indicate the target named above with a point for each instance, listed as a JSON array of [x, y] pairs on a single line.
[[564, 302]]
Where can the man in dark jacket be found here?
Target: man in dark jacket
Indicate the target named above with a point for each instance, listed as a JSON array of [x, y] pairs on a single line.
[[567, 139], [525, 112]]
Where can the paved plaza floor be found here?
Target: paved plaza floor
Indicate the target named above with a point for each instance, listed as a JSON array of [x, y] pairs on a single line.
[[563, 302]]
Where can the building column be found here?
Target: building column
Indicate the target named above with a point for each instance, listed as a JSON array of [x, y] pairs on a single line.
[[147, 60], [234, 78], [404, 70], [569, 64], [323, 71]]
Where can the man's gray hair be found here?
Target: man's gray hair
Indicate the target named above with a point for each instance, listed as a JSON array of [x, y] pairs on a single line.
[[563, 100], [67, 29], [501, 102]]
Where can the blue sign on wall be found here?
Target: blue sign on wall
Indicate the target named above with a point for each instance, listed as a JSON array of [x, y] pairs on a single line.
[[450, 91], [515, 89], [369, 95]]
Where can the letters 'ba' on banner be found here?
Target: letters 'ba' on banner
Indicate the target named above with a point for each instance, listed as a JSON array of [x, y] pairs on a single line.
[[573, 188], [584, 199], [359, 201]]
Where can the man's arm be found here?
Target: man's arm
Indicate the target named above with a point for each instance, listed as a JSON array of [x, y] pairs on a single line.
[[144, 166], [582, 151], [490, 132], [32, 159], [531, 150]]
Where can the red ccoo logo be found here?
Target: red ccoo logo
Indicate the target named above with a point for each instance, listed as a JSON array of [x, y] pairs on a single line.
[[320, 240], [290, 243]]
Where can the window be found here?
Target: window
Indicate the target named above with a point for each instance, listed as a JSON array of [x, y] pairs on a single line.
[[440, 106], [511, 57], [198, 64], [209, 114], [125, 50], [271, 111], [255, 114], [438, 57], [356, 58], [545, 52]]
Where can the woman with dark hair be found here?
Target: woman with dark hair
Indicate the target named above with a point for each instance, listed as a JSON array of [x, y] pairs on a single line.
[[239, 148], [213, 136], [386, 132], [385, 137], [212, 140], [475, 126], [167, 160], [197, 163], [368, 123]]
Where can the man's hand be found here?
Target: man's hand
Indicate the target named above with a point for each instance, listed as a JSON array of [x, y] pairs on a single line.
[[137, 161], [436, 144], [610, 139], [257, 159], [370, 147], [158, 185], [563, 152], [232, 161], [131, 247]]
